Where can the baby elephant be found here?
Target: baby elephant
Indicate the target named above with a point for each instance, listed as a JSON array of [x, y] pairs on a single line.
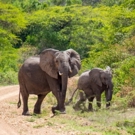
[[93, 83]]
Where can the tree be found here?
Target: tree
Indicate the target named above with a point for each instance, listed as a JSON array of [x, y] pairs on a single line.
[[12, 21]]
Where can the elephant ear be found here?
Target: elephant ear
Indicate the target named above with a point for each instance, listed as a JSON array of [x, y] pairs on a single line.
[[108, 70], [95, 76], [74, 62], [47, 62]]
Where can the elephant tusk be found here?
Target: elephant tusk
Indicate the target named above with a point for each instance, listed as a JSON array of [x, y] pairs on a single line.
[[70, 71], [60, 73]]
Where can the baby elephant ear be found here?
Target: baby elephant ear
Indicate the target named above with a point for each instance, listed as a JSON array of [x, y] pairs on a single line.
[[47, 62], [75, 62]]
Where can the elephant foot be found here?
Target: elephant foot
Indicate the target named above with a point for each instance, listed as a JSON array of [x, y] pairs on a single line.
[[37, 111], [108, 105], [26, 113], [56, 110], [62, 112]]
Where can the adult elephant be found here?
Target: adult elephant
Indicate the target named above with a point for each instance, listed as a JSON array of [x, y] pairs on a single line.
[[48, 72], [93, 83]]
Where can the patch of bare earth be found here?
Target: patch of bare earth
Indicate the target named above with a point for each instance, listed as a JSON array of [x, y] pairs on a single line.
[[13, 123]]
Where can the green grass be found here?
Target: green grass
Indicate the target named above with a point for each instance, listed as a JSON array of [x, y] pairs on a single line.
[[30, 119], [38, 126], [113, 121], [103, 121], [119, 119], [128, 124], [12, 102]]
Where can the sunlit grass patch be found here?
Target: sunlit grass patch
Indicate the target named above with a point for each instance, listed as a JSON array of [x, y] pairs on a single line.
[[33, 97], [113, 131], [31, 119], [50, 123], [72, 123], [39, 126], [129, 125], [12, 102], [50, 98], [101, 121]]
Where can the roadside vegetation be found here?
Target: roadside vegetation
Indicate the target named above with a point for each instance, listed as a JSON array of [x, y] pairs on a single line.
[[118, 120], [103, 32]]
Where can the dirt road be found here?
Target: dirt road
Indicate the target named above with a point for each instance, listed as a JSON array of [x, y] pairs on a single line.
[[11, 120], [7, 92]]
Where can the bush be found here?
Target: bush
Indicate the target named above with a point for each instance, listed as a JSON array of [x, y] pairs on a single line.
[[25, 52], [125, 74], [9, 77]]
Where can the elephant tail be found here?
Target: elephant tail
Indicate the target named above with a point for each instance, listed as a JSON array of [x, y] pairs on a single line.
[[70, 100], [19, 102]]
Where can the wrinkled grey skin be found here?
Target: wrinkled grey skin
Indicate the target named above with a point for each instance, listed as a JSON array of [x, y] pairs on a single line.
[[93, 83], [48, 72]]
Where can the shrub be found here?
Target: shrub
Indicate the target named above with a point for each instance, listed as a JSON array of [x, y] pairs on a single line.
[[9, 77]]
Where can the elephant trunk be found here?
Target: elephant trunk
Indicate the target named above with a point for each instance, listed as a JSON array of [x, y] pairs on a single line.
[[64, 80], [109, 94]]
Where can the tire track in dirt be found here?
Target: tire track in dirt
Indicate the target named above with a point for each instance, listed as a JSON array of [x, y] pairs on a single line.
[[5, 129], [7, 94], [8, 87]]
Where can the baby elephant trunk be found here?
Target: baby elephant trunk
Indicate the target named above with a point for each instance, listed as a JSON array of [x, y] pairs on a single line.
[[109, 95]]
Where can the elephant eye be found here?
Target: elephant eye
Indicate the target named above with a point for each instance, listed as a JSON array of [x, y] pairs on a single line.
[[60, 61], [56, 61]]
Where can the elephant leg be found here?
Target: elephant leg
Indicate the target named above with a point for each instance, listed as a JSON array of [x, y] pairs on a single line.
[[55, 88], [25, 104], [58, 95], [37, 107], [90, 107], [98, 98], [80, 101]]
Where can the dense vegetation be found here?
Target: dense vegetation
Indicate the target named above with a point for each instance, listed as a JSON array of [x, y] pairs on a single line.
[[103, 32]]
